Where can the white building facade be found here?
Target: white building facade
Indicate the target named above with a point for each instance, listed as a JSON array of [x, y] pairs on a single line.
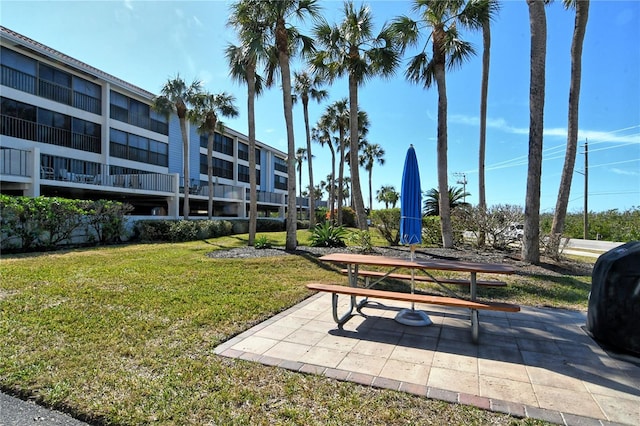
[[70, 130]]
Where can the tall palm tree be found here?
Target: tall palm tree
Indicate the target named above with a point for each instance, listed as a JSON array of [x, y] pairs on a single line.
[[531, 235], [277, 16], [207, 108], [337, 117], [243, 61], [309, 87], [442, 19], [352, 49], [321, 134], [582, 15], [372, 153], [484, 90], [301, 156], [175, 97], [387, 194], [455, 198]]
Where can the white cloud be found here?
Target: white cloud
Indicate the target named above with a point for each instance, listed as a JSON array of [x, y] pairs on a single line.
[[625, 172], [128, 4], [616, 136]]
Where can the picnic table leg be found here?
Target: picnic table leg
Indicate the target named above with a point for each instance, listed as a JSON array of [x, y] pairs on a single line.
[[334, 305], [475, 326]]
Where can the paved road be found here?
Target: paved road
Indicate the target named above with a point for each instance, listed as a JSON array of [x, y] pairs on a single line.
[[16, 412]]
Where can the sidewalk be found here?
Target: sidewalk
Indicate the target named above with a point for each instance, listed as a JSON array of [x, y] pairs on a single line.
[[536, 363]]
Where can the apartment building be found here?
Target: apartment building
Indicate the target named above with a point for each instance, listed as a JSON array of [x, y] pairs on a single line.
[[70, 130]]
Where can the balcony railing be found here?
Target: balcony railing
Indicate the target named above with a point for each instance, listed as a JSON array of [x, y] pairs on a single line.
[[24, 129], [14, 162]]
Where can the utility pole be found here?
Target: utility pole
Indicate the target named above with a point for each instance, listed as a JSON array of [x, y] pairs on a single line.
[[586, 190], [462, 179]]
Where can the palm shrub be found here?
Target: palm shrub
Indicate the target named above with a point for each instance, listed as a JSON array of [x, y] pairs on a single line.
[[328, 235]]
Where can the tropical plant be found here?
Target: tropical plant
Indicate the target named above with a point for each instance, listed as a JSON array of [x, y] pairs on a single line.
[[361, 241], [432, 200], [538, 26], [276, 16], [322, 135], [352, 49], [328, 235], [306, 87], [560, 213], [205, 114], [484, 90], [243, 61], [372, 153], [388, 223], [387, 194], [176, 97], [442, 19], [301, 156], [262, 242]]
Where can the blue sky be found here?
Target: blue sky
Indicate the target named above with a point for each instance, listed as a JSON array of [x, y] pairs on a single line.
[[146, 42]]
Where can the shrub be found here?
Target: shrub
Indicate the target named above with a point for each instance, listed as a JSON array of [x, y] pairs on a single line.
[[327, 235], [431, 232], [106, 218], [183, 230], [302, 224], [388, 223], [361, 240], [261, 242], [269, 225]]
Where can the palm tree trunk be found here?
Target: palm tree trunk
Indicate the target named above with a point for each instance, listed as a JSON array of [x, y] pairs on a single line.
[[283, 58], [210, 175], [185, 154], [486, 52], [312, 198], [531, 235], [582, 15], [332, 184], [340, 175], [443, 183], [370, 190], [356, 190], [253, 195]]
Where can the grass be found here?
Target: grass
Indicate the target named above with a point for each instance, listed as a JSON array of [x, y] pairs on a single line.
[[125, 335]]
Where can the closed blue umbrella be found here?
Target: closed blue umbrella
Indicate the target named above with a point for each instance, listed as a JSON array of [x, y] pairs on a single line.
[[411, 227]]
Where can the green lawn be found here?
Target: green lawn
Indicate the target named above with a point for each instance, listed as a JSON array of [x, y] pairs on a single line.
[[125, 335]]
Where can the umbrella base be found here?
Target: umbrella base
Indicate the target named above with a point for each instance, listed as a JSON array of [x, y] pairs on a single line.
[[413, 318]]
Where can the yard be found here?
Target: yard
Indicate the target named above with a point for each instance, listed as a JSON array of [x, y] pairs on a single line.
[[125, 335]]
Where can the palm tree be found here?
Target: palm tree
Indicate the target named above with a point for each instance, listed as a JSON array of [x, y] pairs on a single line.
[[337, 118], [321, 134], [442, 18], [387, 195], [531, 235], [243, 61], [582, 15], [286, 41], [352, 49], [206, 110], [486, 57], [176, 97], [306, 87], [455, 199], [372, 153], [301, 156]]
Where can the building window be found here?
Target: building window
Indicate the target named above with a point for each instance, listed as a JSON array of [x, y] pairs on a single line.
[[87, 96], [243, 151], [222, 168], [223, 144], [85, 135], [54, 84], [280, 164], [18, 119], [137, 113], [137, 148], [243, 174], [18, 71], [280, 182]]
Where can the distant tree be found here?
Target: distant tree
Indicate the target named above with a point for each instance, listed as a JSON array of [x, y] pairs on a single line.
[[371, 154], [387, 195], [307, 87], [321, 133], [301, 156], [176, 97], [432, 200], [206, 110]]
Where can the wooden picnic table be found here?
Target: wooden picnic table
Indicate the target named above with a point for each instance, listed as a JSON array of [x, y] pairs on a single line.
[[354, 262]]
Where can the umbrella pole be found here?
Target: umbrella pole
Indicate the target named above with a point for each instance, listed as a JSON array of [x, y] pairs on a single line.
[[412, 250]]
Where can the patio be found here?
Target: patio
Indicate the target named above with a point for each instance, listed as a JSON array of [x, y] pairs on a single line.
[[536, 363]]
